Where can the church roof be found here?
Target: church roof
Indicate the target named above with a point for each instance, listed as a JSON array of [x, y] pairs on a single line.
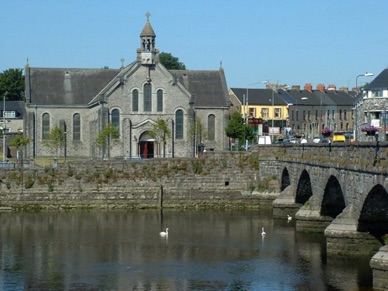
[[209, 87], [53, 86], [148, 30]]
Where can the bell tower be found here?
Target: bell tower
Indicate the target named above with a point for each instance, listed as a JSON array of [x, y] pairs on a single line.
[[147, 52]]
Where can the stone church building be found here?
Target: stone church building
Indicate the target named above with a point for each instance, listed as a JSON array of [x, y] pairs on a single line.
[[83, 101]]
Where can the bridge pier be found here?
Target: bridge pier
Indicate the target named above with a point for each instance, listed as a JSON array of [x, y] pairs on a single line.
[[309, 219], [342, 237], [285, 204], [379, 265]]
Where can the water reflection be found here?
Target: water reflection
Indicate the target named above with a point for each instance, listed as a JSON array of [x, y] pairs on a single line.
[[204, 250]]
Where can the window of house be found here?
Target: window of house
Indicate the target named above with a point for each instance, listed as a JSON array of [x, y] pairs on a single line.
[[292, 115], [9, 114], [252, 112], [211, 123], [278, 112], [332, 114], [159, 102], [340, 114], [308, 115], [316, 115], [179, 124], [147, 97], [76, 127], [345, 114], [115, 118], [45, 125], [264, 112], [304, 114], [135, 100]]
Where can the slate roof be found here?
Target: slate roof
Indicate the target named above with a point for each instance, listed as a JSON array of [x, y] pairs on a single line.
[[17, 106], [63, 86], [258, 96], [209, 87], [380, 82]]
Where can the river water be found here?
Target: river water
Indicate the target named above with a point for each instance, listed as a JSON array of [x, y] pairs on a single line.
[[204, 250]]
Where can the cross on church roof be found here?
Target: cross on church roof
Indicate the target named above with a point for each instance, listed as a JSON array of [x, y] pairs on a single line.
[[148, 16]]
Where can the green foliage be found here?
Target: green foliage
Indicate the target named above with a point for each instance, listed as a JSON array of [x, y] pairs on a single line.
[[171, 62], [29, 182], [20, 141], [160, 132], [55, 140], [12, 85], [197, 166], [235, 127], [109, 132]]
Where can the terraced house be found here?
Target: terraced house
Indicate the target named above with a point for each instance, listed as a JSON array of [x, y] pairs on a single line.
[[132, 98]]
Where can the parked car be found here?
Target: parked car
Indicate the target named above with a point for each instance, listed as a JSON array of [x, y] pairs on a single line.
[[319, 139], [339, 136]]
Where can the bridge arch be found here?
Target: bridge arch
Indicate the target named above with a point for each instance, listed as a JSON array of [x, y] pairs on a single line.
[[374, 213], [285, 179], [333, 201], [303, 190]]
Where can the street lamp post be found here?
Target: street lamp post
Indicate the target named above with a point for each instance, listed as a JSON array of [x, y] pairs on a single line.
[[246, 109], [4, 128], [356, 105]]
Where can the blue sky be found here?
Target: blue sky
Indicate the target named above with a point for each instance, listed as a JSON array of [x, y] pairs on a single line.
[[292, 42]]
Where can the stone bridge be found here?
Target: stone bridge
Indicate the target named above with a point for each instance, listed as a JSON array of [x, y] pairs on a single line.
[[340, 190]]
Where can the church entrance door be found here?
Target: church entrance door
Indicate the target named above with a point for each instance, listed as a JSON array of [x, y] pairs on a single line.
[[146, 146]]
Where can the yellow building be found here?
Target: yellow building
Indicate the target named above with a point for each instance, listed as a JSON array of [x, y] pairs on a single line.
[[264, 106]]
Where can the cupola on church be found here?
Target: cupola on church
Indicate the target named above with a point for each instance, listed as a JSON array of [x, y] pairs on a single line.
[[83, 101]]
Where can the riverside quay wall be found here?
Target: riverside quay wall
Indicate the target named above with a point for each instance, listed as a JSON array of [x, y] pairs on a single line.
[[214, 179]]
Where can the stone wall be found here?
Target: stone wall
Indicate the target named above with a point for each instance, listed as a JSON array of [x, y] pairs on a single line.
[[214, 179]]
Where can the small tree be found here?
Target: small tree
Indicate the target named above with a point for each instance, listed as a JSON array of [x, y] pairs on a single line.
[[198, 132], [236, 128], [20, 141], [160, 132], [55, 140], [104, 137]]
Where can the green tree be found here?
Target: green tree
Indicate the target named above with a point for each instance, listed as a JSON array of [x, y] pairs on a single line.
[[237, 129], [20, 141], [12, 85], [160, 131], [55, 140], [171, 62], [105, 136]]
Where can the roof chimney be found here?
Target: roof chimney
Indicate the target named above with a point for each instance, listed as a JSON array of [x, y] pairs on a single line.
[[344, 89], [332, 87], [321, 87], [295, 87], [308, 87]]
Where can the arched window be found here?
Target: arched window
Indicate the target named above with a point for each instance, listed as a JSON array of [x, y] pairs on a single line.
[[179, 124], [211, 124], [160, 100], [115, 118], [147, 97], [76, 127], [135, 100], [45, 125]]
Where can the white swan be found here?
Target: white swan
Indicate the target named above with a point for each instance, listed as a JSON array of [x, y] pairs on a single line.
[[164, 233], [262, 231], [289, 218]]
